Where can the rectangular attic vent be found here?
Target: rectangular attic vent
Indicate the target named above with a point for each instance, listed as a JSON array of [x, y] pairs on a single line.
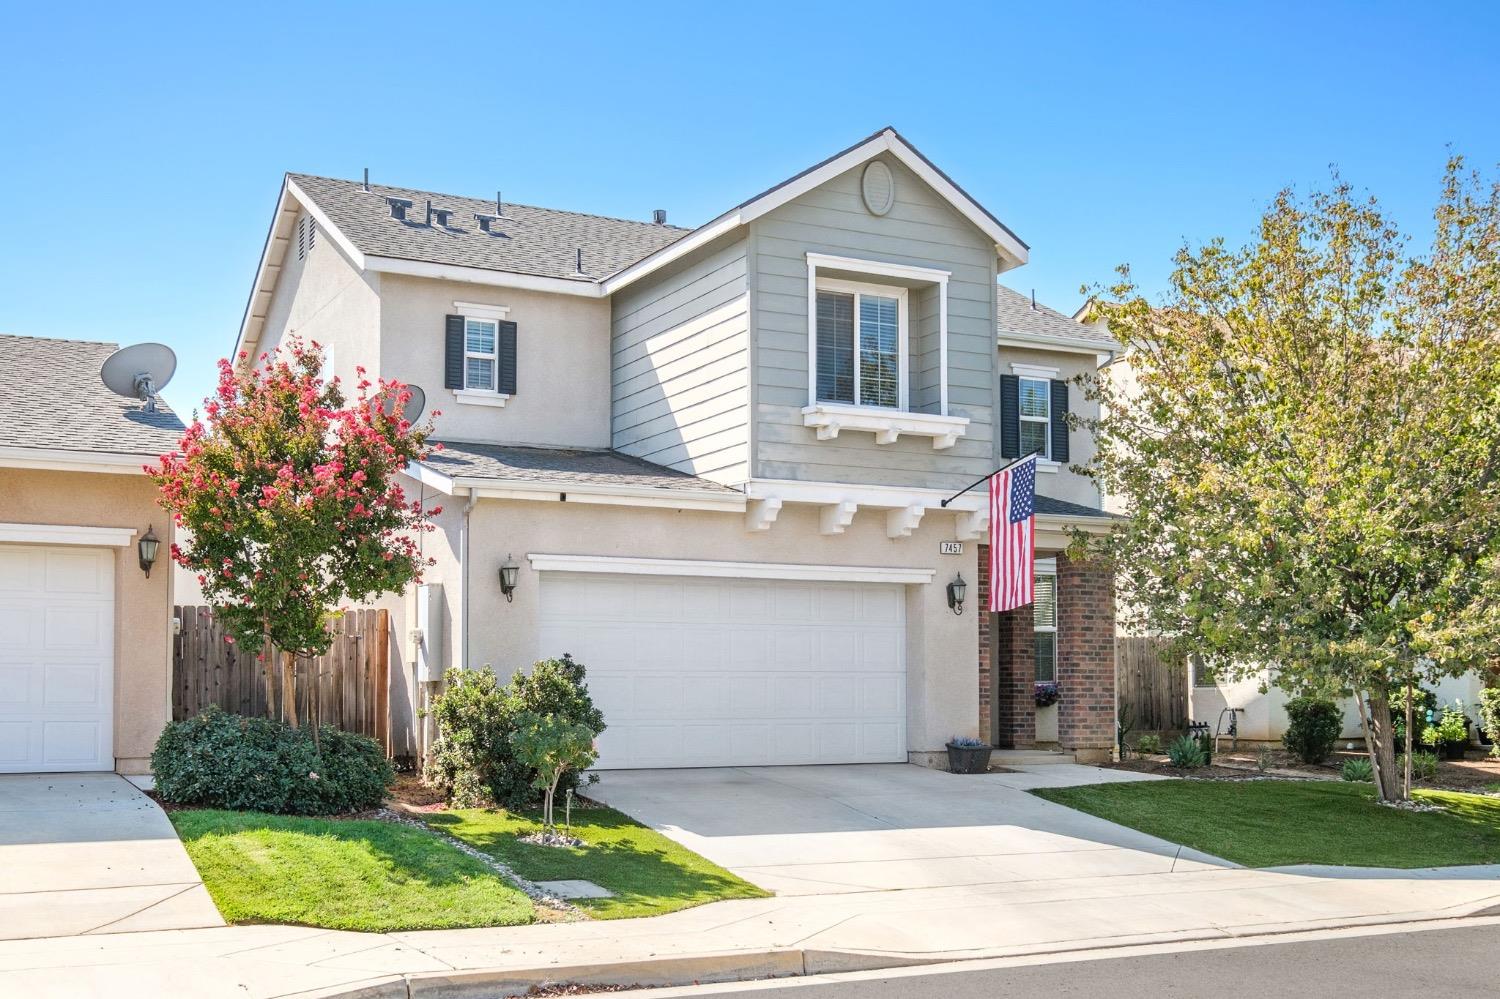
[[399, 207]]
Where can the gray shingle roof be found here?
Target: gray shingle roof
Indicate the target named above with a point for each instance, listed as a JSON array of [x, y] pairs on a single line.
[[1014, 316], [51, 397], [563, 466], [1062, 508], [539, 241]]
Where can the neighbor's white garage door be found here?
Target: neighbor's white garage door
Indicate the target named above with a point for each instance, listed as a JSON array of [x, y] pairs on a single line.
[[57, 610], [705, 672]]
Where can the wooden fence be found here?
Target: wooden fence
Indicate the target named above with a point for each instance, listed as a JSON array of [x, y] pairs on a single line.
[[349, 688], [1152, 682]]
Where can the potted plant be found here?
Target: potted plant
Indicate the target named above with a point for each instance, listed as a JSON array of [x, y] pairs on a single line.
[[1047, 693], [1449, 734], [967, 755]]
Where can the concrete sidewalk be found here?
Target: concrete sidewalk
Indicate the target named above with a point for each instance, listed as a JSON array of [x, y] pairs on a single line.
[[1030, 906]]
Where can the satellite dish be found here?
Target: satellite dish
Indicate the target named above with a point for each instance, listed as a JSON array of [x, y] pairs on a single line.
[[414, 406], [139, 371]]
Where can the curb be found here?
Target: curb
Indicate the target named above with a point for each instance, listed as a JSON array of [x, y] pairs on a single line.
[[700, 969]]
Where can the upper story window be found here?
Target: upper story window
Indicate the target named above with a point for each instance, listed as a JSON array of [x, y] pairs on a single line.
[[1036, 416], [861, 344], [480, 337]]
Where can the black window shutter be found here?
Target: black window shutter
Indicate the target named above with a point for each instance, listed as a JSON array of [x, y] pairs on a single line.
[[506, 349], [453, 353], [1059, 421], [1010, 416]]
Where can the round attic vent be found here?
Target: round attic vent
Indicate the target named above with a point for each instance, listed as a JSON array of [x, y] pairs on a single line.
[[878, 188]]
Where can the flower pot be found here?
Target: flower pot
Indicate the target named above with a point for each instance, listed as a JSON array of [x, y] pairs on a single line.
[[1484, 738], [969, 759], [1453, 750]]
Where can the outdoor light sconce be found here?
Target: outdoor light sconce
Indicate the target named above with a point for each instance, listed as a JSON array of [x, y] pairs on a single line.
[[147, 548], [509, 572], [957, 590]]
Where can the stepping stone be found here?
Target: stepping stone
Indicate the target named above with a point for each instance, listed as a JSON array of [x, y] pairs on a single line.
[[574, 889]]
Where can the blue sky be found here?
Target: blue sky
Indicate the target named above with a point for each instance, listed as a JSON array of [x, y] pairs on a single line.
[[141, 146]]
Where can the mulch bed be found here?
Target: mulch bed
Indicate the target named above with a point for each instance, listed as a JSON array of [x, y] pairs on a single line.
[[1478, 774], [1161, 766]]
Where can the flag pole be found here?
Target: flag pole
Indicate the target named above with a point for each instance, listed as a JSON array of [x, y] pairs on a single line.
[[982, 481]]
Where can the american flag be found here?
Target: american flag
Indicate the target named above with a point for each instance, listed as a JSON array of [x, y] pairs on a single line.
[[1012, 538]]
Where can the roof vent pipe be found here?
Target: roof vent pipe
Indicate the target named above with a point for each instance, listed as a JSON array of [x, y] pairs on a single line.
[[1033, 300], [366, 185], [580, 260], [429, 211], [659, 216]]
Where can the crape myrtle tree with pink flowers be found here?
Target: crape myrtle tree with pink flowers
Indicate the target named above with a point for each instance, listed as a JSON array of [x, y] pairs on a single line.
[[289, 492]]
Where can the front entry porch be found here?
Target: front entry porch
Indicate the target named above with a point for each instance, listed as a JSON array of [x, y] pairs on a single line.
[[1068, 637]]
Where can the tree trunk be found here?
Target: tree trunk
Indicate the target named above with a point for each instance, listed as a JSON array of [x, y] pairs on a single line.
[[1389, 779], [1361, 699], [289, 688]]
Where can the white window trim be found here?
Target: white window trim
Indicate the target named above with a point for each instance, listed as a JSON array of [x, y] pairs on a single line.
[[1045, 421], [1048, 567], [480, 397], [878, 268], [479, 310], [903, 340], [493, 356]]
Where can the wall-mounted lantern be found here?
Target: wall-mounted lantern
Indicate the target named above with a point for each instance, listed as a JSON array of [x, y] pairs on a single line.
[[957, 590], [509, 573], [146, 549]]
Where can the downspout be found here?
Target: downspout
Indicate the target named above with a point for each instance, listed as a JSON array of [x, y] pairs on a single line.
[[428, 729], [463, 576]]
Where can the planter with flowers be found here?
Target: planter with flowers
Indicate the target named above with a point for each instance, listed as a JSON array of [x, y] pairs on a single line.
[[1047, 693], [967, 755]]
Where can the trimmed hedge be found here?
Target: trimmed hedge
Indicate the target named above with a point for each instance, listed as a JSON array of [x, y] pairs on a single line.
[[1313, 726], [472, 759], [220, 760]]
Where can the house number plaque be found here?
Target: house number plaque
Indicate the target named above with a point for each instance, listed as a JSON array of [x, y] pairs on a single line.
[[950, 547]]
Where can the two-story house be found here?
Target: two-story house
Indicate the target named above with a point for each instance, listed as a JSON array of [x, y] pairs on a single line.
[[710, 463]]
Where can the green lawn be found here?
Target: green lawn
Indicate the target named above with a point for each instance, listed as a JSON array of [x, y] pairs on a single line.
[[342, 874], [1275, 823], [648, 873]]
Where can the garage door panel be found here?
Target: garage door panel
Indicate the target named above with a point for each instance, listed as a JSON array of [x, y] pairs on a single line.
[[734, 672], [56, 658]]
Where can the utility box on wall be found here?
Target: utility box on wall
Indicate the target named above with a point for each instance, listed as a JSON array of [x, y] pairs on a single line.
[[428, 639]]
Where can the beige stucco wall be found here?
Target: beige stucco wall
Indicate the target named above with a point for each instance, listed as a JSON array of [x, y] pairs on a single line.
[[1054, 479], [323, 298], [942, 648], [562, 361], [143, 607]]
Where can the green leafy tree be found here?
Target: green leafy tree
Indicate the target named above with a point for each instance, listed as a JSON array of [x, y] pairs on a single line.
[[1307, 440], [289, 491], [551, 745]]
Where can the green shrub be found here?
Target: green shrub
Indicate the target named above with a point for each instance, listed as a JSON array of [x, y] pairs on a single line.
[[1424, 765], [1449, 728], [1148, 744], [1423, 706], [1313, 726], [220, 760], [1357, 770], [473, 759], [1186, 752], [1489, 716]]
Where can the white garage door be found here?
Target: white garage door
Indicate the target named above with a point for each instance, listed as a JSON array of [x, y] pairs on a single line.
[[706, 672], [56, 658]]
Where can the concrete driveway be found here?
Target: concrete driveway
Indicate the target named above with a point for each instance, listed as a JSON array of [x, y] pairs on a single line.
[[827, 830], [89, 853]]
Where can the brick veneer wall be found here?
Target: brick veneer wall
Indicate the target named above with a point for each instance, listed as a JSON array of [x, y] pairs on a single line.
[[1007, 669], [1086, 659]]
